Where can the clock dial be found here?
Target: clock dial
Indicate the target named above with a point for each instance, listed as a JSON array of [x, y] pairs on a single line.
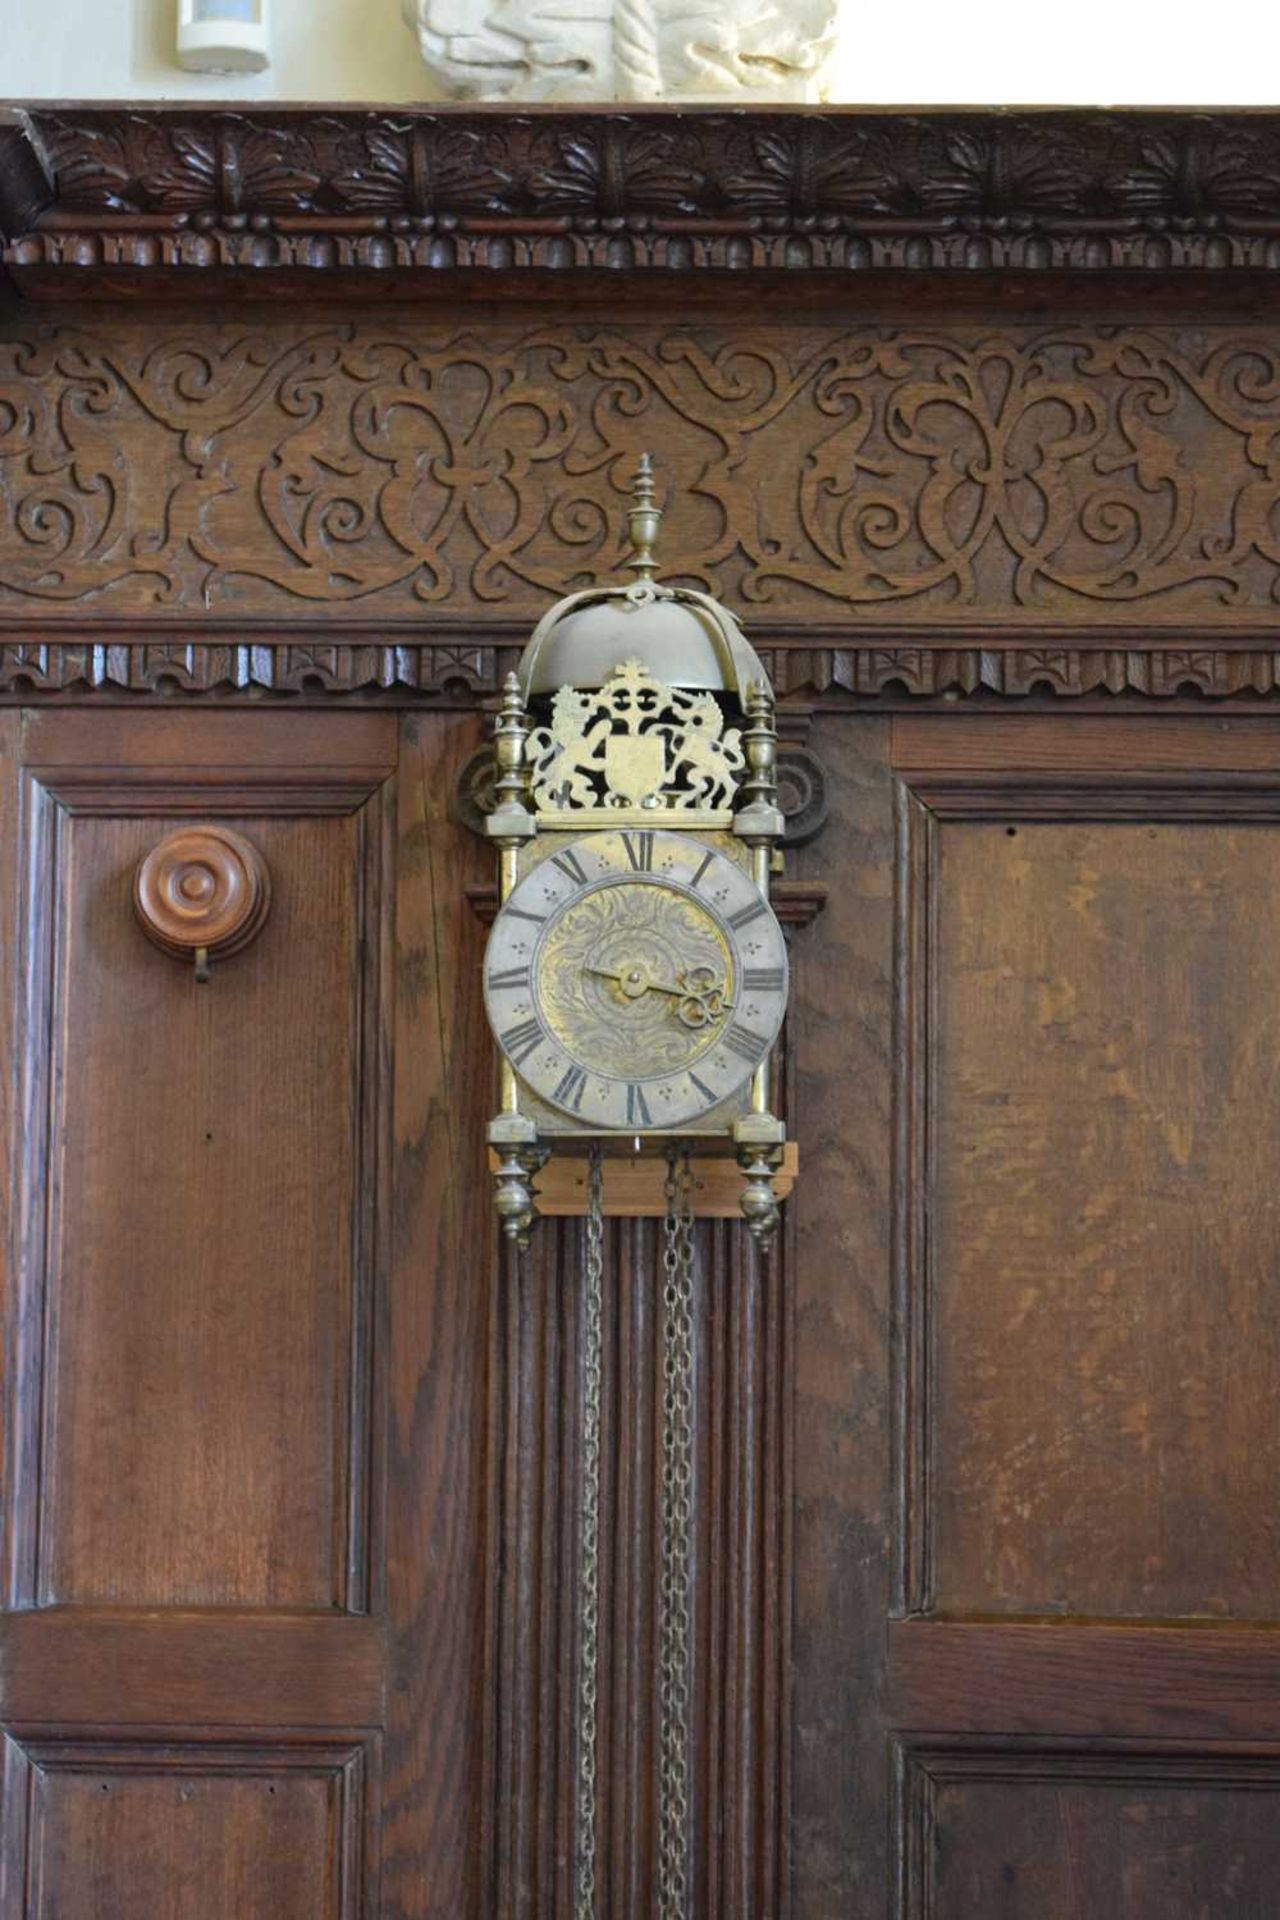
[[636, 979]]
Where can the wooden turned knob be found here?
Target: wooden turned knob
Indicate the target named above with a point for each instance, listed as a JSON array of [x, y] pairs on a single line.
[[202, 889]]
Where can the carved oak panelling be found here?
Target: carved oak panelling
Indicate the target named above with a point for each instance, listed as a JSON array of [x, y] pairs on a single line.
[[737, 1651], [1059, 474], [221, 1483], [1071, 1363]]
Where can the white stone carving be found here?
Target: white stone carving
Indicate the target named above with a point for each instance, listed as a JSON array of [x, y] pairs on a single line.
[[594, 50]]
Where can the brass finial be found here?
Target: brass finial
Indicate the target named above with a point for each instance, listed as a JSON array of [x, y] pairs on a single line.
[[643, 521]]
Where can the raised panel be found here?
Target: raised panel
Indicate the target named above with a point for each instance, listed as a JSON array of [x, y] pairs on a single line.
[[123, 1833], [1091, 1267], [1032, 1836], [202, 1378]]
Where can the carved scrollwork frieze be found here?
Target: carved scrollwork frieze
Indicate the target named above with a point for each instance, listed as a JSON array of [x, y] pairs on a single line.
[[1050, 475]]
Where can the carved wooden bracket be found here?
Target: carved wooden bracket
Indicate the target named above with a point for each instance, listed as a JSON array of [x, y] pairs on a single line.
[[202, 894]]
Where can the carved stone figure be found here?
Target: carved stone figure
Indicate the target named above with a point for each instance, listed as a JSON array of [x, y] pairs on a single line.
[[626, 49]]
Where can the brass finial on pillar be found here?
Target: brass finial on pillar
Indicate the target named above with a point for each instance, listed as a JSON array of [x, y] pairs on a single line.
[[643, 521], [510, 819]]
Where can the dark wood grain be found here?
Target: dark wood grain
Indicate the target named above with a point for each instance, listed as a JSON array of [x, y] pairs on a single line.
[[159, 1496], [115, 1847], [838, 1229], [1037, 1832], [1090, 749], [173, 1667], [1195, 1684], [441, 1259], [256, 1825]]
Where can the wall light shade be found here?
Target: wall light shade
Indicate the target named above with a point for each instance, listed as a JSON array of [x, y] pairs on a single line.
[[224, 36]]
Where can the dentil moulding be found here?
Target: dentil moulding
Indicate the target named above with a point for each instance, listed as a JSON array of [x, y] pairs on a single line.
[[596, 50]]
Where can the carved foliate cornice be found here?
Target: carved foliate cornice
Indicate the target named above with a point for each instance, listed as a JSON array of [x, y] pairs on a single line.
[[663, 188], [25, 186]]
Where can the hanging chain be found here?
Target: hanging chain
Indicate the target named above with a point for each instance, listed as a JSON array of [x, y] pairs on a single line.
[[676, 1542], [677, 1526], [589, 1540]]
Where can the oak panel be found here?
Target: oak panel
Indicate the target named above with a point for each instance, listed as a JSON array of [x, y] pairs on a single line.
[[1052, 1838], [441, 1254], [204, 1238], [121, 1843], [1102, 1349], [1108, 745], [994, 1678], [837, 1227], [219, 1667]]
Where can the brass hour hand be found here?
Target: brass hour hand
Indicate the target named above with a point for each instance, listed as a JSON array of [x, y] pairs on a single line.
[[632, 981], [701, 998]]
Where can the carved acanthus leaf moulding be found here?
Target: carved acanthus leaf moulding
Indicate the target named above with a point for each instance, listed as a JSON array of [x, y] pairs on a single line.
[[871, 673], [673, 189]]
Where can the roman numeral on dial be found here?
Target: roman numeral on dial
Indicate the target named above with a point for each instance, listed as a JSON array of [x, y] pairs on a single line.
[[763, 979], [638, 1114], [570, 1089], [639, 848], [746, 1044], [513, 977], [570, 866], [520, 1041], [745, 915]]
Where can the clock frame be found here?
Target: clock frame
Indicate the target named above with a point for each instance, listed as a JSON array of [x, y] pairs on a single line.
[[635, 1006]]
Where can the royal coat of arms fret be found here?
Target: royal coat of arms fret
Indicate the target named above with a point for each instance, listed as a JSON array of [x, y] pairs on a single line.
[[636, 975], [634, 743]]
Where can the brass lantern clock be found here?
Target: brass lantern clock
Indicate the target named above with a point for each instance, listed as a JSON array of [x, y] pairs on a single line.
[[636, 974]]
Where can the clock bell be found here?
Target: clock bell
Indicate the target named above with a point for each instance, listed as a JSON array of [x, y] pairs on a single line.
[[636, 975]]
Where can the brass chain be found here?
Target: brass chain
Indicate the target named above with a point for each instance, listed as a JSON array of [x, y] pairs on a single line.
[[589, 1539], [677, 1528]]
